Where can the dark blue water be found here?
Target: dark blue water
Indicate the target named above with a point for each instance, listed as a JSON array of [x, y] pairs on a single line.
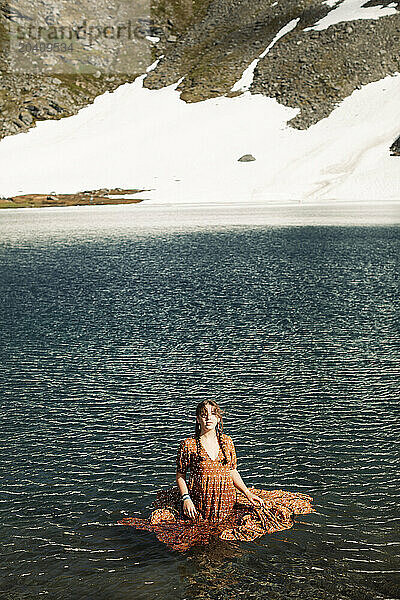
[[108, 345]]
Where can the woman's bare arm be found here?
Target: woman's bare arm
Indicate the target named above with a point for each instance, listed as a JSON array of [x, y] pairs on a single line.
[[242, 487], [238, 482], [181, 483], [188, 507]]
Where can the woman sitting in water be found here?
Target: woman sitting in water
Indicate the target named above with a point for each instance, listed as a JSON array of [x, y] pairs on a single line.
[[216, 502]]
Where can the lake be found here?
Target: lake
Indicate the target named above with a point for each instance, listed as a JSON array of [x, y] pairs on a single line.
[[117, 321]]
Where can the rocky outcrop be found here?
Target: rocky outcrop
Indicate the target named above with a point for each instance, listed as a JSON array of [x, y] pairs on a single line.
[[212, 54], [25, 99], [208, 44], [395, 147], [311, 70], [328, 65]]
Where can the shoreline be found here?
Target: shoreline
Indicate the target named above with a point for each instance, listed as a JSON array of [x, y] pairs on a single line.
[[86, 198], [146, 218]]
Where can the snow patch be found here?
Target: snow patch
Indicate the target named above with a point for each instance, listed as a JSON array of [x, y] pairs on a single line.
[[136, 137], [351, 10], [246, 80]]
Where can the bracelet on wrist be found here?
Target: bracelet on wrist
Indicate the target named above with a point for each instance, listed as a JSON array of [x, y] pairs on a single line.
[[185, 497]]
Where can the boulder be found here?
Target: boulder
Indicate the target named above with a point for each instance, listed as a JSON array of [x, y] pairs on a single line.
[[246, 158], [395, 147]]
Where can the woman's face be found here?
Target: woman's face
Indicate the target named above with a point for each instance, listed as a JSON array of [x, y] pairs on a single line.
[[208, 418]]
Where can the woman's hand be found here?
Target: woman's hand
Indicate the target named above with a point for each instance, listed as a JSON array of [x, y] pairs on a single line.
[[255, 500], [189, 508]]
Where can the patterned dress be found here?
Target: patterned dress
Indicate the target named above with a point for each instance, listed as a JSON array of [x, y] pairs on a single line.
[[223, 511]]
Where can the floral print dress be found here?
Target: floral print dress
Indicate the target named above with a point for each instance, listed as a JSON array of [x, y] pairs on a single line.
[[223, 511]]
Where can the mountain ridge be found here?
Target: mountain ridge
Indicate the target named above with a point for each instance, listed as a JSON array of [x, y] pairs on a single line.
[[209, 44]]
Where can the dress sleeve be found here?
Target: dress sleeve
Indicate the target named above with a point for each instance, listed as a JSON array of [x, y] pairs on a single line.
[[232, 453], [183, 458]]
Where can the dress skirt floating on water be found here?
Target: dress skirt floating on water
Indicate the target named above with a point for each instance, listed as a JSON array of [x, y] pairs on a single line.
[[223, 511]]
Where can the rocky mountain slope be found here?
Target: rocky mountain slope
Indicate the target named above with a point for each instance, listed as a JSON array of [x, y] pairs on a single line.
[[209, 44]]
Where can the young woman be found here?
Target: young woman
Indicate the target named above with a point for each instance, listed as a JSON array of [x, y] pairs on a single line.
[[215, 501]]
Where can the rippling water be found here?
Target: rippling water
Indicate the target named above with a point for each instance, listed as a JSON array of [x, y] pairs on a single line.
[[107, 346]]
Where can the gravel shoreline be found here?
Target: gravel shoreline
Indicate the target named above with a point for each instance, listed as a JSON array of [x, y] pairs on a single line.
[[89, 197]]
